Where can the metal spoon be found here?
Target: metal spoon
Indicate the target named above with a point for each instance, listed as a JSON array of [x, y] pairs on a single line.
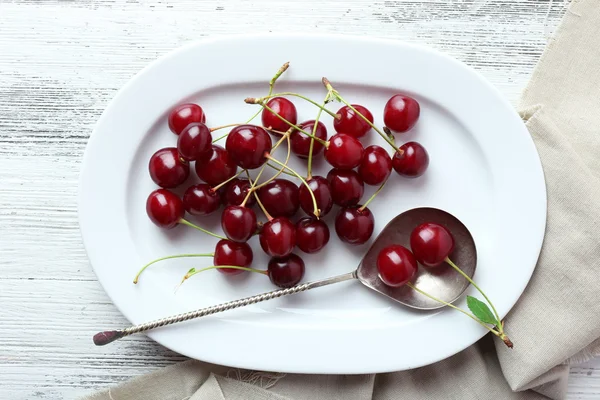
[[444, 283]]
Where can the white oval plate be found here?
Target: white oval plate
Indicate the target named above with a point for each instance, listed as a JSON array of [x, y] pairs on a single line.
[[484, 169]]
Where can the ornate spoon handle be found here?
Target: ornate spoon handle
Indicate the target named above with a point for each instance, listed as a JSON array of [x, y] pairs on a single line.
[[102, 338]]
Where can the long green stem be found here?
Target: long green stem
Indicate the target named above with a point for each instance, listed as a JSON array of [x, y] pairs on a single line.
[[340, 98], [321, 107], [227, 181], [277, 169], [316, 211], [252, 184], [260, 204], [373, 196], [188, 223], [280, 71], [137, 277], [280, 171], [323, 142], [454, 307], [468, 278], [194, 271], [312, 140]]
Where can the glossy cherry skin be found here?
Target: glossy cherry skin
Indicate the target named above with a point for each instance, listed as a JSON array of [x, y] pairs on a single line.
[[344, 151], [201, 200], [300, 143], [247, 145], [194, 141], [411, 160], [401, 113], [280, 198], [354, 226], [282, 107], [351, 123], [164, 208], [311, 235], [322, 192], [235, 193], [278, 237], [346, 187], [287, 271], [183, 115], [375, 166], [396, 265], [238, 223], [431, 244], [216, 167], [167, 169], [232, 253]]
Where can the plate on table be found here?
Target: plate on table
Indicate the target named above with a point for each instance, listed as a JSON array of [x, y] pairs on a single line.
[[484, 169]]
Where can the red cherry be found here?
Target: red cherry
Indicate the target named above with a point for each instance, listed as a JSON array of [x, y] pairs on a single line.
[[396, 265], [311, 235], [431, 244], [346, 186], [353, 225], [286, 272], [278, 237], [164, 208], [247, 145], [300, 143], [201, 200], [216, 167], [344, 151], [232, 253], [238, 223], [351, 123], [167, 169], [322, 193], [183, 115], [401, 113], [194, 141], [375, 166], [236, 191], [280, 198], [411, 160], [282, 107]]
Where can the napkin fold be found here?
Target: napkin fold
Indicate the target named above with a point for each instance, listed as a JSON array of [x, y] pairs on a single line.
[[557, 319]]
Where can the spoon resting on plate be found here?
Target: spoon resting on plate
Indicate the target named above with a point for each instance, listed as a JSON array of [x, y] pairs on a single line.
[[444, 285]]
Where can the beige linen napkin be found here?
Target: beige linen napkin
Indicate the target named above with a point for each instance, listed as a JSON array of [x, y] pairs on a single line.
[[557, 319]]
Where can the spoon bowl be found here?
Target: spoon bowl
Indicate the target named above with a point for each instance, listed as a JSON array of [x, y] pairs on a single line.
[[443, 282]]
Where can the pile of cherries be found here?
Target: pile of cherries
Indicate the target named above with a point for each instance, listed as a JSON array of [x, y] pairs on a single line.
[[250, 147]]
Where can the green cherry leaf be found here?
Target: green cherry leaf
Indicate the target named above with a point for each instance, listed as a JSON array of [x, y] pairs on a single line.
[[481, 311]]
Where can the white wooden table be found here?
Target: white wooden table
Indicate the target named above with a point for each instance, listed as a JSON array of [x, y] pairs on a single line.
[[60, 64]]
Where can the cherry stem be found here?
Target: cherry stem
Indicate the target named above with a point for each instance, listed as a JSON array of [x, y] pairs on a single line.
[[312, 139], [280, 71], [216, 128], [220, 137], [340, 98], [253, 100], [188, 223], [277, 168], [260, 204], [373, 196], [468, 278], [137, 277], [252, 184], [279, 171], [323, 142], [194, 271], [316, 211], [410, 285], [214, 189]]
